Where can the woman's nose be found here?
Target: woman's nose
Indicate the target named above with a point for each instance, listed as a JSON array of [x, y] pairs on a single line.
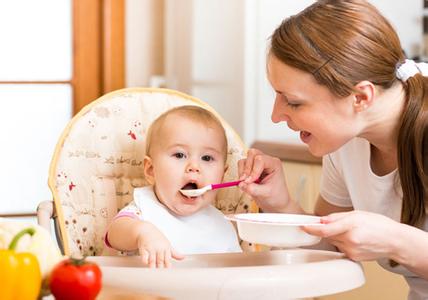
[[278, 112]]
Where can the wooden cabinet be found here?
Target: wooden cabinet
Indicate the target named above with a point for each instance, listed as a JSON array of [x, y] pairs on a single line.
[[303, 181]]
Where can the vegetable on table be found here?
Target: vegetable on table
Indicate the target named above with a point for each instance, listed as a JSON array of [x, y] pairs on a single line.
[[41, 243], [75, 279], [20, 275]]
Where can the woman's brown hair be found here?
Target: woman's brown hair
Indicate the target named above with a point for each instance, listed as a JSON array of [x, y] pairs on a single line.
[[345, 42]]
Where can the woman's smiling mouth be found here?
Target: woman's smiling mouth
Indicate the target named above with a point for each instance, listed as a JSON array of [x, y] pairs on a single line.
[[305, 136]]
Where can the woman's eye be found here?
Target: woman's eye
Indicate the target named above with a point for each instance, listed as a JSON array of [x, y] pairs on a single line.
[[292, 105], [179, 155], [207, 158], [287, 101]]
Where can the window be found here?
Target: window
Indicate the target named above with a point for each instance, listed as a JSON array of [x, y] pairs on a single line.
[[61, 58]]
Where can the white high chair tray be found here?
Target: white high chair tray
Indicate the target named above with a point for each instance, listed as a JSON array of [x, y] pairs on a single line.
[[281, 274]]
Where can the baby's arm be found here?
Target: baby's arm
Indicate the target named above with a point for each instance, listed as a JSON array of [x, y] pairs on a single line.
[[127, 233]]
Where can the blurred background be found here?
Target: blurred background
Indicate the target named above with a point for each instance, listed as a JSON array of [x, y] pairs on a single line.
[[59, 55]]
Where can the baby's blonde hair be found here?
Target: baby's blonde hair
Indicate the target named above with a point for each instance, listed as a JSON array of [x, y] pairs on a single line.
[[192, 112]]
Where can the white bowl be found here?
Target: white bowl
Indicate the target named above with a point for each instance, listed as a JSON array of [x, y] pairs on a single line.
[[278, 230]]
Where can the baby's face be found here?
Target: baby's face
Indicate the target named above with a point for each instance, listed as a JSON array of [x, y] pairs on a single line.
[[186, 153]]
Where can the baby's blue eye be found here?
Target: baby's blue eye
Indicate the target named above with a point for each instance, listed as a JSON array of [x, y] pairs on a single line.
[[207, 158], [179, 155]]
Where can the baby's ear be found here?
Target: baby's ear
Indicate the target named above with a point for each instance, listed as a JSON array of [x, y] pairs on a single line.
[[148, 170]]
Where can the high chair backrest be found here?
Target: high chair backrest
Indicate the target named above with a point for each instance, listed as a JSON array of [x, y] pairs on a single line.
[[98, 161]]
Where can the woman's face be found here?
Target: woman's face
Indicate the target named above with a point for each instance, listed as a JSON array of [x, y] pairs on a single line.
[[325, 122]]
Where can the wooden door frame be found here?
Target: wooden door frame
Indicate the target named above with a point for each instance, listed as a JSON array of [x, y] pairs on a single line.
[[98, 49]]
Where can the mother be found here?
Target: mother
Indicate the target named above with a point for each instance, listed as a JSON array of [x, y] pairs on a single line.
[[342, 80]]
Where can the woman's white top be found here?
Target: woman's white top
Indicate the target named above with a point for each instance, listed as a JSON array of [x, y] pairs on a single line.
[[348, 181], [206, 231]]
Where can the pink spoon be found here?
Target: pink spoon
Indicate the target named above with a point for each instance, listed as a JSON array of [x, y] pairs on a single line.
[[198, 192]]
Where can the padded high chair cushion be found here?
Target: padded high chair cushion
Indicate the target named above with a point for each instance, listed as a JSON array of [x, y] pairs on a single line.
[[99, 161]]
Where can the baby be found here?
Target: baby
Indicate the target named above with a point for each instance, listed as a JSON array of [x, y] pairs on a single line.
[[186, 148]]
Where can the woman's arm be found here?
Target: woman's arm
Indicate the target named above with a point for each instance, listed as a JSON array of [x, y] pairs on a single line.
[[364, 236], [411, 249]]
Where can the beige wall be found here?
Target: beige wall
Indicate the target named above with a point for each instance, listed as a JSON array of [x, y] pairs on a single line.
[[144, 36], [215, 50]]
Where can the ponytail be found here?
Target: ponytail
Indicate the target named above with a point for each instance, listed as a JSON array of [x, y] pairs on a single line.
[[413, 151]]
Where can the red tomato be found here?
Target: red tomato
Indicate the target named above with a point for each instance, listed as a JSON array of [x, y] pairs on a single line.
[[73, 279]]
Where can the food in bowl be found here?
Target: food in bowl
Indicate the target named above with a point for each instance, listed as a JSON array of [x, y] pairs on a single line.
[[275, 229]]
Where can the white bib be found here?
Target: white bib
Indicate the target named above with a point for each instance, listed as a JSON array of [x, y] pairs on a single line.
[[206, 231]]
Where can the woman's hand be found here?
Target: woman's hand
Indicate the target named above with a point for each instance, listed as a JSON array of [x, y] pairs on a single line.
[[154, 247], [271, 194], [359, 235]]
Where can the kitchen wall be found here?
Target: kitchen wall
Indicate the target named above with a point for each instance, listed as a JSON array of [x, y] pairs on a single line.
[[215, 50], [144, 33], [404, 15]]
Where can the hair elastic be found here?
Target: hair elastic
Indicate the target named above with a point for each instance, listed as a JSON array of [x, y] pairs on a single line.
[[410, 68]]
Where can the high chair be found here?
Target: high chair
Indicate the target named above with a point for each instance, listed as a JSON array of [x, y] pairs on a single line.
[[98, 161]]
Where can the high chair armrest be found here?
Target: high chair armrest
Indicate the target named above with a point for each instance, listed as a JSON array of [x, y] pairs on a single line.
[[45, 212]]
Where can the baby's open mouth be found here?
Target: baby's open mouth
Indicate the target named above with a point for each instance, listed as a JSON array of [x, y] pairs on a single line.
[[190, 186]]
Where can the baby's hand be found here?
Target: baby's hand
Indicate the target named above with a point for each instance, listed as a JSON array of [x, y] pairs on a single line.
[[155, 249]]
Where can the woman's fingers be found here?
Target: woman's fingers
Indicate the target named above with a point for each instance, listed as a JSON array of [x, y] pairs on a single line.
[[241, 166], [340, 245], [335, 216], [334, 224], [247, 164], [255, 189], [263, 180], [257, 165], [333, 228], [257, 169]]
